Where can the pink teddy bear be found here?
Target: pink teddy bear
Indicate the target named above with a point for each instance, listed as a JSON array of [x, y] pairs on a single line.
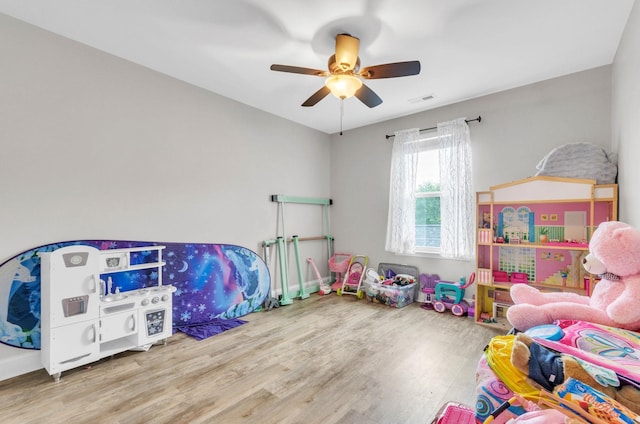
[[614, 255]]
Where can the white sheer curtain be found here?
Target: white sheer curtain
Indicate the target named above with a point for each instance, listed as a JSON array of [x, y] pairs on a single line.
[[401, 225], [457, 210]]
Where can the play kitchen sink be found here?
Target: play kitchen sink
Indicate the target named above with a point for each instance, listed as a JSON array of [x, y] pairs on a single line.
[[113, 297]]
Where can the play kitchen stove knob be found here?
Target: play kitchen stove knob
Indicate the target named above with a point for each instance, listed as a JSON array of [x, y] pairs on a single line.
[[165, 297], [144, 302], [155, 299]]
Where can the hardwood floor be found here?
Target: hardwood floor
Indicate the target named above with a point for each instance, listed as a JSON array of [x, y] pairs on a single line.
[[321, 360]]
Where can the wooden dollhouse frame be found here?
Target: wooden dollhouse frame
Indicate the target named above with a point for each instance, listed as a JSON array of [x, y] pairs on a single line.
[[512, 217]]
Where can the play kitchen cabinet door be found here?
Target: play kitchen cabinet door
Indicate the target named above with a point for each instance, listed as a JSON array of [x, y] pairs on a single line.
[[69, 285], [71, 346], [536, 231], [119, 325]]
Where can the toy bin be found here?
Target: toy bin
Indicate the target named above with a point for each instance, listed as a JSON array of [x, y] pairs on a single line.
[[390, 295]]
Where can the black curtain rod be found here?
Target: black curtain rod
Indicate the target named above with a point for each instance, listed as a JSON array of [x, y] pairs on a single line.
[[479, 119]]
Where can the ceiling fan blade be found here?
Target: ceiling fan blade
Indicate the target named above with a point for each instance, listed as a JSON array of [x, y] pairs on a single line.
[[391, 70], [317, 96], [299, 70], [368, 96], [347, 51]]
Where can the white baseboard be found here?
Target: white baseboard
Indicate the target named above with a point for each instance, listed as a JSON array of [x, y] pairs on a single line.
[[15, 361], [311, 286]]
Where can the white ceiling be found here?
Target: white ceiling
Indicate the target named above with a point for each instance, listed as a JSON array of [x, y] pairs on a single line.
[[467, 48]]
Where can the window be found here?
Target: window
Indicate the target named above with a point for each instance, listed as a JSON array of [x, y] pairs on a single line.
[[432, 212], [428, 196]]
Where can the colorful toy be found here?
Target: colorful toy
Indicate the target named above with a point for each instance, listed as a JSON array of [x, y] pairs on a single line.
[[324, 288], [339, 263], [352, 281], [486, 220], [450, 295], [519, 277], [401, 280], [454, 413], [371, 276], [614, 255], [428, 287], [500, 276]]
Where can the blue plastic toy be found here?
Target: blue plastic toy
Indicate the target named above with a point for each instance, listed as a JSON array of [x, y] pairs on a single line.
[[450, 295]]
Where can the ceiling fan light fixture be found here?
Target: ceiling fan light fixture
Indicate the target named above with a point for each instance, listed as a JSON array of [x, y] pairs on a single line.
[[347, 51], [343, 86]]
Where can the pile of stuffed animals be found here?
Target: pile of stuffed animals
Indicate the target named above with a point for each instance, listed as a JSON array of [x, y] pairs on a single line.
[[548, 369], [614, 255]]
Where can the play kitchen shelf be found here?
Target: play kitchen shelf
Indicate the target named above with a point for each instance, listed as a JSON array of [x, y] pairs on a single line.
[[119, 260], [536, 231], [84, 318]]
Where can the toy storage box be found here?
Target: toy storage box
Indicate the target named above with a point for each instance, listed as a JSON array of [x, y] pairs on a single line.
[[394, 296]]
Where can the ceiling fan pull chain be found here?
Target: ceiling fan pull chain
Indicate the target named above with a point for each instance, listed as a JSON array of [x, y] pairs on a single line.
[[341, 113]]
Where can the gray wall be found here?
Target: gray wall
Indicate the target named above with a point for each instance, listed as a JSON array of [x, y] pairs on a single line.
[[626, 117], [518, 128], [97, 147]]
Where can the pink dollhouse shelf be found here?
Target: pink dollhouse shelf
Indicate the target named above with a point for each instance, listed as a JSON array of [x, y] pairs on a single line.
[[568, 245]]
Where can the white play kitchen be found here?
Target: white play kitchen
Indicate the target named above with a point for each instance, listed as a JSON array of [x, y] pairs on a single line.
[[85, 318]]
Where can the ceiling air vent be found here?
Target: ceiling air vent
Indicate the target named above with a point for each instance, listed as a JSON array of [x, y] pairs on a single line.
[[421, 99]]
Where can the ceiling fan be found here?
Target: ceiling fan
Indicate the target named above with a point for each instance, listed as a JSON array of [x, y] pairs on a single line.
[[344, 74]]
